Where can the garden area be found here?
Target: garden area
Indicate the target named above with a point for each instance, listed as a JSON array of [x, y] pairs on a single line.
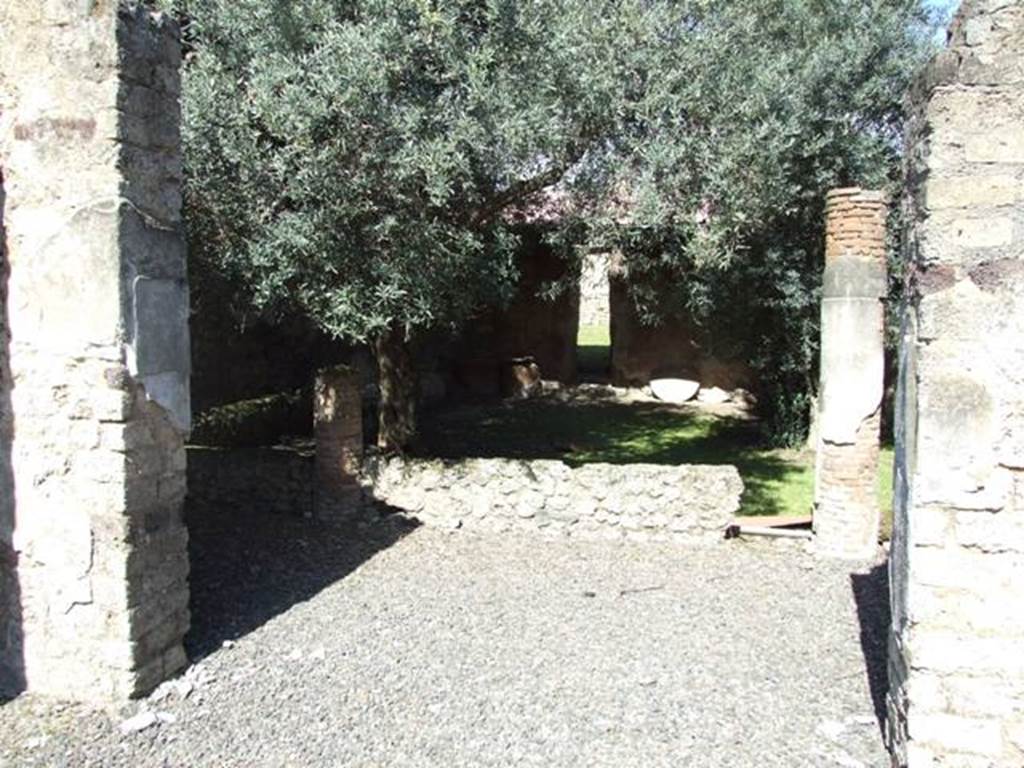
[[590, 423], [592, 430]]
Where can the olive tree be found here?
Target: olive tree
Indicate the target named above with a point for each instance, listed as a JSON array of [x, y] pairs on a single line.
[[751, 111], [352, 159]]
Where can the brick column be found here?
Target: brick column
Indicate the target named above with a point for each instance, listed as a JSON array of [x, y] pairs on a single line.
[[846, 514], [338, 424], [956, 655], [99, 351]]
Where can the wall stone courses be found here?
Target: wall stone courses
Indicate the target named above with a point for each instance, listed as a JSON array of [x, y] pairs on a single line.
[[688, 503], [91, 160], [956, 662]]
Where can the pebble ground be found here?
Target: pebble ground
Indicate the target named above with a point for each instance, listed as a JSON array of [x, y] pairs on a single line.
[[316, 645]]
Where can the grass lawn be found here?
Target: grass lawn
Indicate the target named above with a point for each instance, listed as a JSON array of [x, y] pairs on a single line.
[[594, 336], [778, 482]]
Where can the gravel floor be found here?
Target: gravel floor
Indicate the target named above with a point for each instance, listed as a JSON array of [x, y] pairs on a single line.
[[432, 648]]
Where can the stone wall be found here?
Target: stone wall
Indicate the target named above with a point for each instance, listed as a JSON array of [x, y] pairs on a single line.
[[338, 428], [672, 348], [689, 504], [531, 326], [847, 514], [99, 353], [957, 562], [594, 309], [277, 480], [232, 361], [598, 501]]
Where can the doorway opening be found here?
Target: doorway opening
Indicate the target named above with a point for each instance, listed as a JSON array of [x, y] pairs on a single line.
[[594, 337]]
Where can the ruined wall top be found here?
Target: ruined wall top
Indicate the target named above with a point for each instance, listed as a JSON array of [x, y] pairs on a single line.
[[855, 224], [984, 41]]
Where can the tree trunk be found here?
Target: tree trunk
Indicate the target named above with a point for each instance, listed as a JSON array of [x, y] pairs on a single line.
[[396, 376]]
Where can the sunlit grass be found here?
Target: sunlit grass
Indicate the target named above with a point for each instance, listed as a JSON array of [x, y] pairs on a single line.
[[777, 482], [594, 336]]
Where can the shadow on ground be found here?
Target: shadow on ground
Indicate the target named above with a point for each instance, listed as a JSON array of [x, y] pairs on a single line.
[[249, 566], [12, 666], [871, 591], [621, 433], [593, 362]]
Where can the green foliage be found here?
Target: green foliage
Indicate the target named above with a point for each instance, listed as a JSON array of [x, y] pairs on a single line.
[[757, 109], [351, 159], [256, 422]]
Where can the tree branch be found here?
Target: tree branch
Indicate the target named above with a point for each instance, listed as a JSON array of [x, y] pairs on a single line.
[[516, 192], [526, 187]]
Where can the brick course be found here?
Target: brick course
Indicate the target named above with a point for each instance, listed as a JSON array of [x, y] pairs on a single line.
[[846, 514]]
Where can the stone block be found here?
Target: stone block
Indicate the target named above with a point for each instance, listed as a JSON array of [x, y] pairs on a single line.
[[66, 298], [159, 254], [950, 652], [919, 756], [160, 344], [854, 278], [956, 431], [999, 143], [955, 316], [928, 693], [973, 191], [986, 696], [991, 532], [962, 566], [977, 31], [990, 232], [933, 526], [959, 734]]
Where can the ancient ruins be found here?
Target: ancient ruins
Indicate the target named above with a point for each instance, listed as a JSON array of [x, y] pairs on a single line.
[[95, 351], [95, 402], [956, 663], [846, 513]]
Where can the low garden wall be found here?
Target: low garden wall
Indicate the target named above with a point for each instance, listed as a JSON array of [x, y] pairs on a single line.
[[603, 501], [688, 503]]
